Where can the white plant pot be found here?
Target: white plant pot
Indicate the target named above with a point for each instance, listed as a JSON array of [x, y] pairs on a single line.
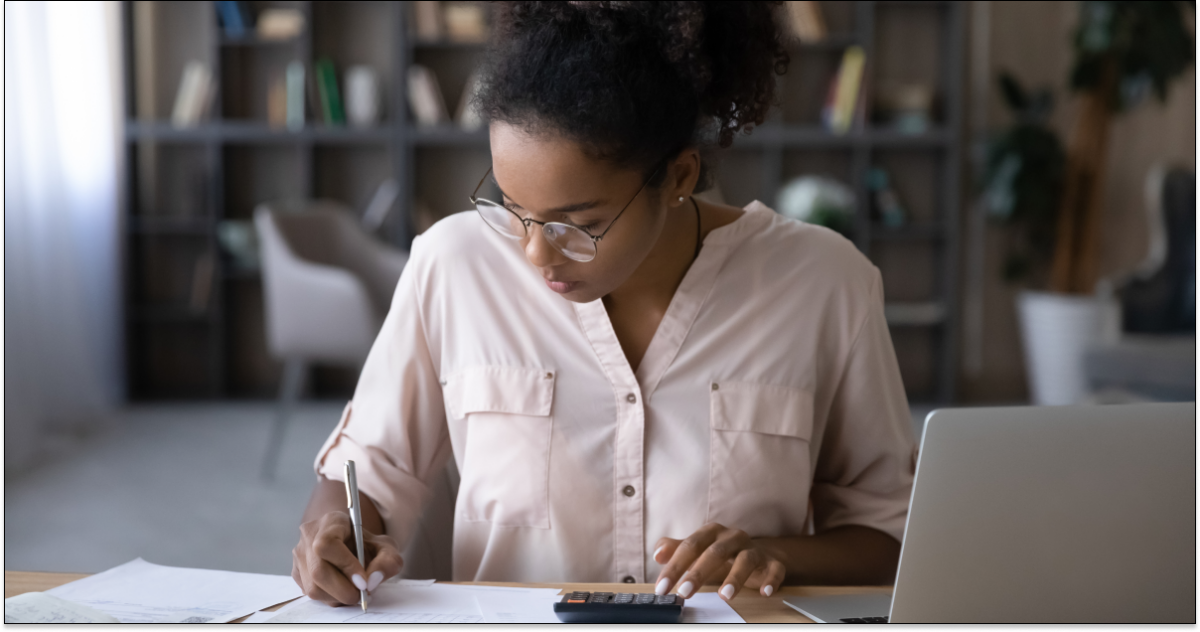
[[1056, 329]]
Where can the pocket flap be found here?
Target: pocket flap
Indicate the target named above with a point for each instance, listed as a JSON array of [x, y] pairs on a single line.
[[767, 409], [500, 389]]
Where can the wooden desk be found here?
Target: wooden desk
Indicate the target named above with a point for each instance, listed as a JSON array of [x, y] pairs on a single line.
[[754, 608]]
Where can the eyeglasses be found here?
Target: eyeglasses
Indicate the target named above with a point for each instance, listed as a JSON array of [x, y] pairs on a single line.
[[574, 242]]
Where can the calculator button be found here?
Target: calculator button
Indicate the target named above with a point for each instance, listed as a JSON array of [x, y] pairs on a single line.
[[645, 598], [665, 599]]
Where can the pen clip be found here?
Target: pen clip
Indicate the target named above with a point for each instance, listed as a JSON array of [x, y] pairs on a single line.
[[348, 467]]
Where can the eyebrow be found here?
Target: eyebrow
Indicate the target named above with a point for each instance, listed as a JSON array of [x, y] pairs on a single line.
[[569, 208]]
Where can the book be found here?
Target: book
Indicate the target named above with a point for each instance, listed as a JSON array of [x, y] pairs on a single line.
[[806, 21], [843, 99], [425, 97], [327, 88], [195, 95], [277, 103], [295, 95], [230, 18], [202, 279], [280, 24], [428, 19], [468, 117], [465, 22]]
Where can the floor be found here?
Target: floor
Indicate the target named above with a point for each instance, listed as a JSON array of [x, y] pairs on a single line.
[[173, 484], [176, 485]]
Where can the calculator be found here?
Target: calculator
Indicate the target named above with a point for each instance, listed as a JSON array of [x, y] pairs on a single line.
[[606, 607]]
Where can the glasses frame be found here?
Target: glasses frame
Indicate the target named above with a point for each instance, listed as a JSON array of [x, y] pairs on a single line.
[[526, 221]]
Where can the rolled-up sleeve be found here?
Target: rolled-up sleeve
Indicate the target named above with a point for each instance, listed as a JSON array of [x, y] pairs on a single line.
[[394, 429], [867, 460]]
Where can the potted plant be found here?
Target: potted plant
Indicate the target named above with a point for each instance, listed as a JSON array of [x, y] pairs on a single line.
[[1052, 196]]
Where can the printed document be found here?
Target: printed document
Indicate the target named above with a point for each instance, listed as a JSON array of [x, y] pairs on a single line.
[[141, 592]]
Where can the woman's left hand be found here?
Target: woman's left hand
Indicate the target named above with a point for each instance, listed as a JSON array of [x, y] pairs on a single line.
[[712, 551]]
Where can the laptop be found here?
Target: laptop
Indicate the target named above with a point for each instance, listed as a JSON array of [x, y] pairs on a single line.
[[1066, 514]]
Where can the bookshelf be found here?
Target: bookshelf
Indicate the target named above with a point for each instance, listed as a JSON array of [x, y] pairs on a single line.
[[182, 183]]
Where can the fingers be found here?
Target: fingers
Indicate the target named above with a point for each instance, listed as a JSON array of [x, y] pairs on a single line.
[[728, 544], [772, 577], [300, 576], [664, 549], [746, 562], [385, 560], [687, 553], [332, 566]]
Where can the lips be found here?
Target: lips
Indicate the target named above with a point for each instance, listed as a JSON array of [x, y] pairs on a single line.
[[562, 287]]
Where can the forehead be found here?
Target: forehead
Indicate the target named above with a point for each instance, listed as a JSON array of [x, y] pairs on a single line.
[[547, 171]]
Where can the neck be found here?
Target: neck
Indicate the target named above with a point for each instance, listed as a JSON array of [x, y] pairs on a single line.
[[660, 273]]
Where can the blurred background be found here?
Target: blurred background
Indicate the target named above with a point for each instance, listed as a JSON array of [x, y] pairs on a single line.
[[207, 205]]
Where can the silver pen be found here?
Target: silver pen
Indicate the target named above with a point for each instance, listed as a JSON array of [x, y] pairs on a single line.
[[356, 520]]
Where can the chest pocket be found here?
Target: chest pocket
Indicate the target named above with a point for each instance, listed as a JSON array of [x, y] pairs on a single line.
[[759, 461], [506, 466]]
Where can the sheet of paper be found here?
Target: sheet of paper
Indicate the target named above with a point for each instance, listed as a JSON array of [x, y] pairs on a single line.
[[36, 607], [517, 608], [388, 604], [258, 617], [141, 592], [708, 607], [406, 603]]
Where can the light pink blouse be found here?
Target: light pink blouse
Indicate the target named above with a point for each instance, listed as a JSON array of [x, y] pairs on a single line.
[[771, 381]]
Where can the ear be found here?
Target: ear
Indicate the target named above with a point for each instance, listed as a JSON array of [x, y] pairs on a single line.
[[682, 175]]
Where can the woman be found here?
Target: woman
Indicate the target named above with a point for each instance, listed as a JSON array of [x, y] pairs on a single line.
[[635, 385]]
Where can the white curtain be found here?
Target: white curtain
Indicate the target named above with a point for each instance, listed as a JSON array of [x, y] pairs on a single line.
[[62, 290]]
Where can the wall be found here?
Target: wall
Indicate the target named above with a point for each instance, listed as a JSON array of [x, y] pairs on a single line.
[[1032, 41]]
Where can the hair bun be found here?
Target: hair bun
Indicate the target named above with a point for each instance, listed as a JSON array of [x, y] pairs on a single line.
[[632, 79]]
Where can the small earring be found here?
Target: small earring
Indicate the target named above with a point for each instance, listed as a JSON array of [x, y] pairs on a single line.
[[681, 198]]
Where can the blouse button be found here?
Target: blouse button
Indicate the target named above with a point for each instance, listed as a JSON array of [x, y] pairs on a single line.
[[631, 398], [628, 579], [629, 490], [549, 375], [442, 382], [714, 386]]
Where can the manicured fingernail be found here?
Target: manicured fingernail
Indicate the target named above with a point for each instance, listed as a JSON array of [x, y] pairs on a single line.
[[657, 551], [767, 590], [727, 591], [373, 581], [358, 581], [663, 585], [686, 590]]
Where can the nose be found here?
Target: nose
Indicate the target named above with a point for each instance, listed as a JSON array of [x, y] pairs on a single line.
[[538, 251]]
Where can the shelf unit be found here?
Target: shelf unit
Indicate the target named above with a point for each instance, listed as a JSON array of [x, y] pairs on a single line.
[[181, 183]]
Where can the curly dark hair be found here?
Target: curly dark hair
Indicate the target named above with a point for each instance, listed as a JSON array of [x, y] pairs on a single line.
[[634, 83]]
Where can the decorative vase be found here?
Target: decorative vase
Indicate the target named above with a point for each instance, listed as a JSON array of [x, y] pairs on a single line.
[[1056, 329]]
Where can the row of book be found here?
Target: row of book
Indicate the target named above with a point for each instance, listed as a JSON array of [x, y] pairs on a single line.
[[297, 91], [238, 21]]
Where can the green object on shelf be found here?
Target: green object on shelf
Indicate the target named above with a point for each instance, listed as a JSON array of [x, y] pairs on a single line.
[[331, 101]]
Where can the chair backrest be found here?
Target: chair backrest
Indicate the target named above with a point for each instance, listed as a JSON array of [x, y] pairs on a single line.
[[327, 283], [1161, 296]]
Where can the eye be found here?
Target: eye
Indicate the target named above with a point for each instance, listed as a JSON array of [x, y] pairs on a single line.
[[587, 228]]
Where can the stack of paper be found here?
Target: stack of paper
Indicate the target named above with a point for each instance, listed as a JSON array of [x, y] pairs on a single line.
[[141, 592]]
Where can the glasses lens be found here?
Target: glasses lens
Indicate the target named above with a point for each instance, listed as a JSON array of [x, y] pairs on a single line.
[[500, 219], [570, 241]]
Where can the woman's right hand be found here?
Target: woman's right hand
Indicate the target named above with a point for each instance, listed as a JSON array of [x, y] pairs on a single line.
[[325, 565]]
